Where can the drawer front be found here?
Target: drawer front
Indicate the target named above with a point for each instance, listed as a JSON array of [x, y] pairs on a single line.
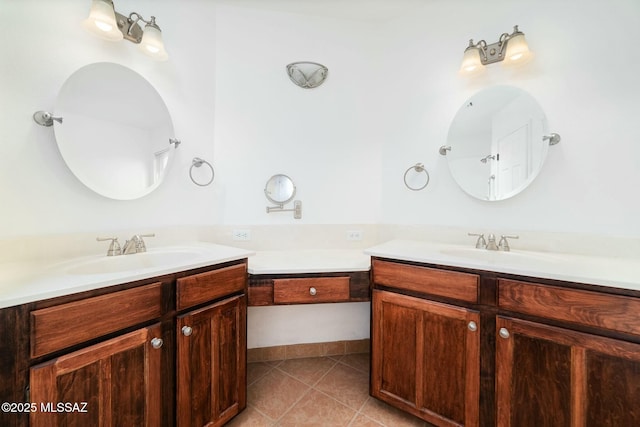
[[444, 283], [61, 326], [311, 290], [613, 312], [204, 287]]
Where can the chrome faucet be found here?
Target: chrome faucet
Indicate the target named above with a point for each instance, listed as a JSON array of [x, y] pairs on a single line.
[[503, 245], [480, 243], [135, 244], [114, 247], [491, 243]]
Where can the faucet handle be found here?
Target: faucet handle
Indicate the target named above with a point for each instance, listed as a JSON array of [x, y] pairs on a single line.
[[480, 243], [504, 243], [140, 246], [114, 247]]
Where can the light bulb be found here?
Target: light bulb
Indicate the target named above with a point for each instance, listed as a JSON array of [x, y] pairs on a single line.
[[151, 43], [102, 21], [471, 60], [517, 49]]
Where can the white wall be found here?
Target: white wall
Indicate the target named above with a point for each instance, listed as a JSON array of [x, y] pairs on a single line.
[[584, 75]]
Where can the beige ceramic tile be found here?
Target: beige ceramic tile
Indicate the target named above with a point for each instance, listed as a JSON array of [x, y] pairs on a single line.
[[304, 350], [308, 370], [275, 393], [250, 417], [357, 346], [388, 415], [358, 361], [362, 421], [274, 353], [316, 409], [333, 348], [347, 385], [257, 370]]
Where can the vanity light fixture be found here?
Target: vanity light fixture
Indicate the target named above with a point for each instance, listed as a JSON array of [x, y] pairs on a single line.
[[511, 48], [108, 24]]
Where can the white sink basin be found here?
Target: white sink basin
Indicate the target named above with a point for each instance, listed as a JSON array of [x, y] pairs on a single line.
[[134, 262], [517, 257]]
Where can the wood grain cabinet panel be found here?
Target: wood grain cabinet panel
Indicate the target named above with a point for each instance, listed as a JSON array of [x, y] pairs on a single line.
[[613, 312], [204, 287], [311, 290], [425, 358], [555, 377], [444, 283], [211, 363], [61, 326], [111, 384]]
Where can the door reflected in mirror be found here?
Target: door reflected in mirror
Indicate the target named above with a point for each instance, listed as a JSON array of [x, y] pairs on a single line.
[[117, 131], [498, 144]]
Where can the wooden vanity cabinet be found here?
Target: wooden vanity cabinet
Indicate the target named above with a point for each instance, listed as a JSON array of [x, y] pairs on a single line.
[[425, 354], [114, 383], [553, 353], [212, 351], [308, 288], [122, 351], [556, 376]]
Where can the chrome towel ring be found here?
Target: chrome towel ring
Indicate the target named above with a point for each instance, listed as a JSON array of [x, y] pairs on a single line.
[[418, 168], [197, 162]]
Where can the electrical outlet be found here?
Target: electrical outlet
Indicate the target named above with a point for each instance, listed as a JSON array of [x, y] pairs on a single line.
[[354, 235], [242, 234]]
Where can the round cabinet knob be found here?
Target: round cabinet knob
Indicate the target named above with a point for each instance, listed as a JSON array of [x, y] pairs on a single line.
[[473, 326], [157, 342], [504, 333], [312, 291], [186, 331]]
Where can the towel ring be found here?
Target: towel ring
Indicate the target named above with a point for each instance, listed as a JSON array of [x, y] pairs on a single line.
[[197, 162], [418, 167]]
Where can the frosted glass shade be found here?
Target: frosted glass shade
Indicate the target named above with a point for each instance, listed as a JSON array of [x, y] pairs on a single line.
[[152, 44], [102, 21], [471, 61], [517, 50]]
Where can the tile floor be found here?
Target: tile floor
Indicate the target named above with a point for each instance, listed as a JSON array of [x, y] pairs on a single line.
[[317, 391]]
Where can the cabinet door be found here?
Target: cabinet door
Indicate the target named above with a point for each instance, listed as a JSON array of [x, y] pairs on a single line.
[[114, 383], [549, 376], [425, 358], [211, 363]]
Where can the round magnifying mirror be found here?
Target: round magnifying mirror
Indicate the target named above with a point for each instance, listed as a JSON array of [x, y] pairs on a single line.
[[497, 142], [116, 130], [280, 189]]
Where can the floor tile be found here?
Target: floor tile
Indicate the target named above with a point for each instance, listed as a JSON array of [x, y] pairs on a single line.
[[329, 391], [317, 409], [308, 370], [275, 393], [347, 385]]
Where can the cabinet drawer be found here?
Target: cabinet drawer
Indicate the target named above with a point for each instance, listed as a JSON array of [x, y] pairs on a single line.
[[311, 290], [55, 328], [444, 283], [203, 287], [613, 312]]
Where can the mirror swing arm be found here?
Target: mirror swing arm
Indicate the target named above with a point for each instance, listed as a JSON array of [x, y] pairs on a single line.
[[297, 209], [553, 139]]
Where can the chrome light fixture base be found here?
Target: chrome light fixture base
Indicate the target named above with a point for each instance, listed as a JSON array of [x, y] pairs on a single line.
[[307, 75]]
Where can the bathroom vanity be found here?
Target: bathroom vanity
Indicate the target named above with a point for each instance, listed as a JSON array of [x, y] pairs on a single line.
[[147, 351], [308, 277], [457, 344]]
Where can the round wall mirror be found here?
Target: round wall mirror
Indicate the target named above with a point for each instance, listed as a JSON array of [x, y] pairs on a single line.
[[116, 131], [280, 189], [498, 143]]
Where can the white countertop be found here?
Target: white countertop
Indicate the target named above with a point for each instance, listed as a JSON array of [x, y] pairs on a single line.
[[596, 270], [309, 261], [26, 282]]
